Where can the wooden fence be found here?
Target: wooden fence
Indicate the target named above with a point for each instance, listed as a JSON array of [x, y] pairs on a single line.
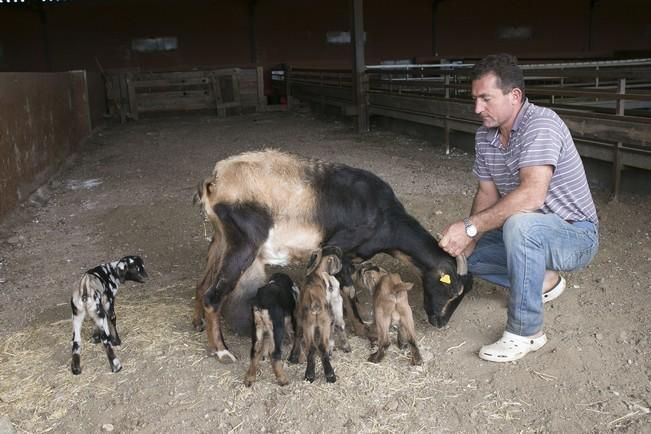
[[132, 93]]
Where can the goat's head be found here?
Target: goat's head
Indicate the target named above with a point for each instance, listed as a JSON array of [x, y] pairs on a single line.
[[375, 278], [131, 268], [443, 288], [368, 275], [325, 260]]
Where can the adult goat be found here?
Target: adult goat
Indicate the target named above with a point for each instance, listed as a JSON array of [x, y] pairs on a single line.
[[270, 207]]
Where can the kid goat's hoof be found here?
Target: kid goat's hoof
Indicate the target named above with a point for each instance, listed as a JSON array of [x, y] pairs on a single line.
[[331, 378], [224, 356], [75, 366]]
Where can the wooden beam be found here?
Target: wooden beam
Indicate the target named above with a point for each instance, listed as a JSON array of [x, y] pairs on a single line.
[[360, 83], [253, 45]]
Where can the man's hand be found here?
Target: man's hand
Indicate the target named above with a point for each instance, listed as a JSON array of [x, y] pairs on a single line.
[[455, 241]]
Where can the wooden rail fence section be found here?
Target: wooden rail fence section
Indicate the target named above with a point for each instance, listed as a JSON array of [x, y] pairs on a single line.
[[607, 110], [232, 90]]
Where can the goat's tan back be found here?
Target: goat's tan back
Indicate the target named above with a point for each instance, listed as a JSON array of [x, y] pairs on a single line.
[[270, 178]]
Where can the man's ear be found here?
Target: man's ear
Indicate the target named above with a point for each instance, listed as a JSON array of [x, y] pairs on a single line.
[[516, 93]]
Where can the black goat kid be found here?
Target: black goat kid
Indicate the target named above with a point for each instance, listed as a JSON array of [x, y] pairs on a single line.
[[273, 307]]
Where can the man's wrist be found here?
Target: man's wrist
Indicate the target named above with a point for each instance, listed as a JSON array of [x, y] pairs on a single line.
[[471, 229]]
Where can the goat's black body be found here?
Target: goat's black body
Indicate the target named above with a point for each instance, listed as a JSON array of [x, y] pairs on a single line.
[[361, 214]]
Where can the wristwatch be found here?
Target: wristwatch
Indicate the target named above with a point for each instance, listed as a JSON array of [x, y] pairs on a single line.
[[471, 230]]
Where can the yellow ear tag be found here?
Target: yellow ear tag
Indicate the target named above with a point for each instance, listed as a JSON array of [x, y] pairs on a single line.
[[445, 279]]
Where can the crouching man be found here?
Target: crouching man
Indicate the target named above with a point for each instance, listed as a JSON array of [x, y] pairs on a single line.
[[533, 213]]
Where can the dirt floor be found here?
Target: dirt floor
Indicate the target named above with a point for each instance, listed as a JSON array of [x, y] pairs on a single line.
[[129, 190]]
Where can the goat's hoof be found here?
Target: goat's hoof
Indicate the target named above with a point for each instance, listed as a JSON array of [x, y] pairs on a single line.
[[416, 358], [283, 381], [310, 378], [115, 343], [198, 325], [375, 358], [438, 321], [116, 366], [76, 369], [248, 381], [331, 378], [224, 356], [360, 330], [346, 348]]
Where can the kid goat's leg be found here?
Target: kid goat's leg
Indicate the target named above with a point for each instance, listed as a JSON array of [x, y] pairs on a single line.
[[328, 370], [78, 315], [115, 338], [257, 347], [408, 331], [101, 321], [382, 324], [276, 359]]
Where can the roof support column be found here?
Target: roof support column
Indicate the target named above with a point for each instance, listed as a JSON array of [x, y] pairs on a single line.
[[360, 81]]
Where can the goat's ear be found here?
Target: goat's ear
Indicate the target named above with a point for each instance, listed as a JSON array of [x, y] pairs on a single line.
[[122, 271], [204, 189], [314, 261], [334, 264], [196, 197]]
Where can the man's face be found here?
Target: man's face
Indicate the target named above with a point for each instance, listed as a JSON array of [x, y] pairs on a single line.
[[495, 108]]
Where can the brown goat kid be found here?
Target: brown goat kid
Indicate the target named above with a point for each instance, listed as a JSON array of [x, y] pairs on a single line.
[[314, 311], [390, 306]]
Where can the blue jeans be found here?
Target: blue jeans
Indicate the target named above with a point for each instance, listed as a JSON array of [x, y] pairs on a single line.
[[517, 255]]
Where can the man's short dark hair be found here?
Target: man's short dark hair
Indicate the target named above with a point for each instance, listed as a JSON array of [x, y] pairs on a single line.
[[506, 69]]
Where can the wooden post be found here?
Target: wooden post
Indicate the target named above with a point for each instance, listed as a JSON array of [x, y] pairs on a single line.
[[217, 94], [617, 158], [131, 91], [447, 116], [360, 83], [235, 77], [262, 101], [288, 87]]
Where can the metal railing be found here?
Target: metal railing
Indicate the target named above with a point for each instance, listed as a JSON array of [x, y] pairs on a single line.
[[606, 105]]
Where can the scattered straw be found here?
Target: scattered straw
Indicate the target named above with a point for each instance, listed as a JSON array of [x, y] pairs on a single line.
[[455, 347], [546, 377]]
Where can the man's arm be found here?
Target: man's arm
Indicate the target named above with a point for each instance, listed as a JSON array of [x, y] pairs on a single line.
[[529, 196], [485, 197]]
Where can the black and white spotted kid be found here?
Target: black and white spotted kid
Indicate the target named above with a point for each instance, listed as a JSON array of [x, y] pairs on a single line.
[[96, 297]]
